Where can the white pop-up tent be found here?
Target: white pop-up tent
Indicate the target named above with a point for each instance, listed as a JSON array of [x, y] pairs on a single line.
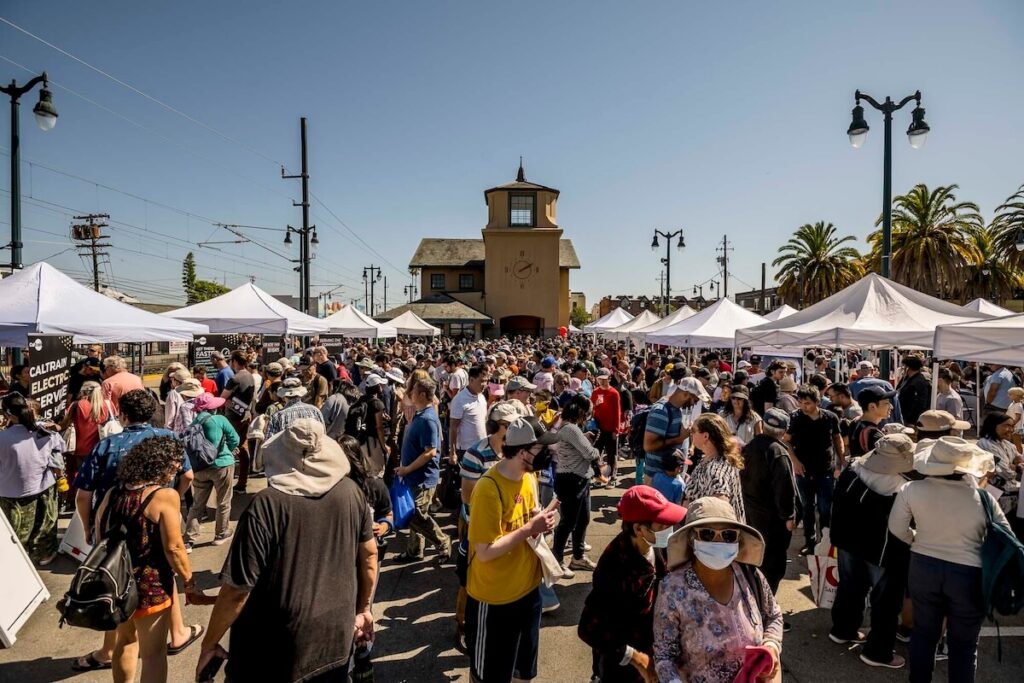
[[783, 311], [42, 300], [873, 313], [713, 328], [998, 340], [613, 319], [247, 308], [573, 329], [628, 329], [411, 324], [678, 315], [351, 322], [985, 306]]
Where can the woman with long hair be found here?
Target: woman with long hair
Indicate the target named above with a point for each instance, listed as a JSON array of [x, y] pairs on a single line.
[[996, 437], [86, 414], [150, 511], [741, 419], [576, 455], [29, 458], [718, 472]]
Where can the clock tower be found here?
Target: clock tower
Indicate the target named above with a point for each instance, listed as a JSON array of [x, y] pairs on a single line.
[[526, 283]]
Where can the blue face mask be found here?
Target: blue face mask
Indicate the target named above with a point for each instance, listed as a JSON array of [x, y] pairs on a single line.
[[715, 555], [661, 537]]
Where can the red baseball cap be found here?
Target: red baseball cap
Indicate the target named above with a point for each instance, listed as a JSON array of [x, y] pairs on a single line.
[[645, 504]]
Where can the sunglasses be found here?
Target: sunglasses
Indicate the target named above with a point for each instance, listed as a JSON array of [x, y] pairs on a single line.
[[707, 535]]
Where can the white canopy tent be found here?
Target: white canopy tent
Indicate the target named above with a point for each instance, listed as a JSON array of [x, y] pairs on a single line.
[[412, 325], [351, 322], [613, 319], [998, 340], [713, 328], [573, 329], [679, 315], [985, 306], [628, 329], [247, 308], [873, 313], [42, 300], [783, 311]]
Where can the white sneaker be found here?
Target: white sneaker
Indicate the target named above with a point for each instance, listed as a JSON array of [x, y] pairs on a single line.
[[584, 563], [896, 663], [567, 573], [586, 547]]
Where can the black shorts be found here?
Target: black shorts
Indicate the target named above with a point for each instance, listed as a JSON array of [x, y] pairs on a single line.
[[503, 640]]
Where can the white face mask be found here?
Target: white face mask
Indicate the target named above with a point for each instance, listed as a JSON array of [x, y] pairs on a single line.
[[661, 537], [715, 555]]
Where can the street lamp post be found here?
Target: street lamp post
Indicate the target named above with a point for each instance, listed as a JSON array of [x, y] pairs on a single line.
[[371, 275], [46, 118], [307, 241], [917, 133], [668, 258]]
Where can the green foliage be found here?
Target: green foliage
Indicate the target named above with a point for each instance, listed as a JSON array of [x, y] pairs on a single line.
[[579, 317], [1007, 227], [198, 290], [814, 264]]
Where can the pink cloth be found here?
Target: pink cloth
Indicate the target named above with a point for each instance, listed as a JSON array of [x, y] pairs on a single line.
[[757, 661], [119, 384]]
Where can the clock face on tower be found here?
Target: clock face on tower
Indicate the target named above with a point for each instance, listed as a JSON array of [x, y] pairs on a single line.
[[521, 268]]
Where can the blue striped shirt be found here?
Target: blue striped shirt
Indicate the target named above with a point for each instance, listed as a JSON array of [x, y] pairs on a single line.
[[664, 420]]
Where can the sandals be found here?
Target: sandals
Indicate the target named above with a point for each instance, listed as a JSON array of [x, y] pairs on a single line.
[[91, 663], [195, 631]]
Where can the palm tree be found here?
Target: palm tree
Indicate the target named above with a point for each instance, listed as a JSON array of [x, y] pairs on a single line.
[[1008, 228], [932, 240], [991, 277], [814, 264]]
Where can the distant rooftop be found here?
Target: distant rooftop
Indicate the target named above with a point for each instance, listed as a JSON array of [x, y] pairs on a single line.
[[454, 252]]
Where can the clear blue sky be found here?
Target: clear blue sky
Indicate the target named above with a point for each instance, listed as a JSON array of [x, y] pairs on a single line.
[[720, 118]]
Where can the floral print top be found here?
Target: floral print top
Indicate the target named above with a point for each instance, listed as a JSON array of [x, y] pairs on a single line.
[[699, 640]]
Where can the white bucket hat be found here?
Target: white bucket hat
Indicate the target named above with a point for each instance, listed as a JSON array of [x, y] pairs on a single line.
[[951, 454]]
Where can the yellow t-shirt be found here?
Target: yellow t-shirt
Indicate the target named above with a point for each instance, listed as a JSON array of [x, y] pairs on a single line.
[[498, 507]]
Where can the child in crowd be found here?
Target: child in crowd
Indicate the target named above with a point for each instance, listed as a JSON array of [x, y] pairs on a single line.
[[671, 483]]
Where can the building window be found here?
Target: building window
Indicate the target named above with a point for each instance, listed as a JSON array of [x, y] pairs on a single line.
[[437, 280], [467, 330], [467, 281], [521, 210]]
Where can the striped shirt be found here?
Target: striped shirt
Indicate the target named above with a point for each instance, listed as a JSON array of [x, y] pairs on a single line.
[[717, 477], [477, 460], [296, 410], [575, 452], [665, 421]]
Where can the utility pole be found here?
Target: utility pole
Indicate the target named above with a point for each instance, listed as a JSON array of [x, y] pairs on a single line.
[[763, 282], [371, 276], [723, 260], [661, 292], [306, 230], [385, 292], [87, 237]]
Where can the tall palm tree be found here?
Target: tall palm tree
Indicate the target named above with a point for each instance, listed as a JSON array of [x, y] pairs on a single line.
[[992, 276], [932, 240], [814, 264], [1008, 227]]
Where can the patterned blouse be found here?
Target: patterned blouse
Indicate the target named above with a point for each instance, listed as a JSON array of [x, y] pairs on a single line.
[[699, 640], [716, 477]]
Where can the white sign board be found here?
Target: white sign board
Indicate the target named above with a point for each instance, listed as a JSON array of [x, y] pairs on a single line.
[[23, 589]]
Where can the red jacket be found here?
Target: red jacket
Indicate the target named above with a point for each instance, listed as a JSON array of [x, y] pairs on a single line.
[[607, 409]]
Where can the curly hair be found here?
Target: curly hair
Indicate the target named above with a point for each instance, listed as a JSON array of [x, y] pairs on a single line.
[[138, 405], [152, 461], [721, 438]]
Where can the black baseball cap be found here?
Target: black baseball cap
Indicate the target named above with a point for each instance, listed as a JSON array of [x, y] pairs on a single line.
[[869, 395]]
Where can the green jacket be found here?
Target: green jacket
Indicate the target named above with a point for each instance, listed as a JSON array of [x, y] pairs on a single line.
[[219, 431]]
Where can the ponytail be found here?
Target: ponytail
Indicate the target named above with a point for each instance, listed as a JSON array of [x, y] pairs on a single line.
[[18, 407]]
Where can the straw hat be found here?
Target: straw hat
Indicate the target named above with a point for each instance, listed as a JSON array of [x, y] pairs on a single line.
[[190, 388], [787, 384], [708, 511], [951, 454], [893, 454]]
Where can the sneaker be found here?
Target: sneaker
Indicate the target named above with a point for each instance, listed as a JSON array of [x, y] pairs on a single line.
[[584, 563], [807, 550], [786, 627], [549, 604], [903, 633], [587, 547], [857, 639], [567, 573], [239, 490], [896, 662], [188, 548], [941, 654], [226, 538]]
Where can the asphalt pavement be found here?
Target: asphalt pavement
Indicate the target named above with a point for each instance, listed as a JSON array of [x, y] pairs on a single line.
[[415, 624]]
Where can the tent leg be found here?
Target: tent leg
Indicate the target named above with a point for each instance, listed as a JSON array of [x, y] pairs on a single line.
[[977, 390], [935, 382]]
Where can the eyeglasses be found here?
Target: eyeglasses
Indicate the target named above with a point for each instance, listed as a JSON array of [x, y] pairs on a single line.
[[707, 535]]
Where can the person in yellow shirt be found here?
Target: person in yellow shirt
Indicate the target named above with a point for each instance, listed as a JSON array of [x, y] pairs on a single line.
[[504, 604]]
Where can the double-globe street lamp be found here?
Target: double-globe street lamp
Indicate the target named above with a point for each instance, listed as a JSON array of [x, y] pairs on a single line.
[[46, 118], [680, 245], [917, 133]]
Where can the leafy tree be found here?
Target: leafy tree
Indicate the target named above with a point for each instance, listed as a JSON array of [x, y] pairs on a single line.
[[579, 317], [933, 240], [814, 264], [1008, 227], [198, 290], [992, 276]]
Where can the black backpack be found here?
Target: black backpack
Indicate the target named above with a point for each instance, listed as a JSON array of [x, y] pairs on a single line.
[[637, 427], [356, 423], [103, 593], [1002, 565]]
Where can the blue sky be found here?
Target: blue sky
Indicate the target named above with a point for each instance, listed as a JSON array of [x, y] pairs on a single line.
[[720, 118]]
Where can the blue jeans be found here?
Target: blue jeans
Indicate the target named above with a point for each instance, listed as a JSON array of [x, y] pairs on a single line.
[[816, 494], [938, 590]]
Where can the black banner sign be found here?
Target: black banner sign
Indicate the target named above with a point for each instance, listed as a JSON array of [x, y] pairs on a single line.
[[202, 348], [335, 343], [50, 370], [273, 349]]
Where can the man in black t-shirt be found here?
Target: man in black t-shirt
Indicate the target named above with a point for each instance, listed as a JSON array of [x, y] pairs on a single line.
[[303, 548], [239, 393], [876, 403], [324, 367], [766, 394], [818, 449]]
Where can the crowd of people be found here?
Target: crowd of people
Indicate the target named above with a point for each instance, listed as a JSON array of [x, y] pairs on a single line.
[[731, 457]]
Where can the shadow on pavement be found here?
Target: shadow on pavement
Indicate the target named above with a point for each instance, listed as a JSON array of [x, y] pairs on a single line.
[[41, 669]]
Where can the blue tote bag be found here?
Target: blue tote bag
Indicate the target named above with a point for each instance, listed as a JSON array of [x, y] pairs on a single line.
[[403, 505]]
